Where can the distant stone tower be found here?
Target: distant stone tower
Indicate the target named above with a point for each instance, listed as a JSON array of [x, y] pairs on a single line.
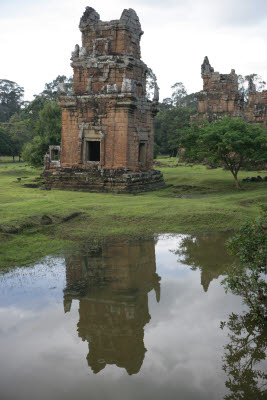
[[107, 123], [220, 96]]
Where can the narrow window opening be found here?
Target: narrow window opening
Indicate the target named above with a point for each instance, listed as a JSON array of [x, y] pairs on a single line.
[[142, 153], [93, 150], [54, 155]]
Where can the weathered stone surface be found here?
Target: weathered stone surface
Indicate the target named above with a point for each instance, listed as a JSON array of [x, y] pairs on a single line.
[[220, 97], [95, 180], [107, 123]]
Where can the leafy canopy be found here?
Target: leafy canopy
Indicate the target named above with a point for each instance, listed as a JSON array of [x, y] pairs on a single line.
[[11, 99], [230, 142], [5, 145], [48, 131], [173, 117]]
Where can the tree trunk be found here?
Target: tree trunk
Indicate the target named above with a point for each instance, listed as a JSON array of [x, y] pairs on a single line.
[[19, 158], [236, 182], [13, 158]]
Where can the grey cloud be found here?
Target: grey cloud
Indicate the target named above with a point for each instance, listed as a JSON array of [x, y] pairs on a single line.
[[242, 12], [217, 12]]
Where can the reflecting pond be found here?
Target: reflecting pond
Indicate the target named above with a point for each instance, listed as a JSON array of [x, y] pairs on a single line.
[[139, 320]]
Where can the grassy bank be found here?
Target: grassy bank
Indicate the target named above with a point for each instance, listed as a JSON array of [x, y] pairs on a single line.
[[200, 200]]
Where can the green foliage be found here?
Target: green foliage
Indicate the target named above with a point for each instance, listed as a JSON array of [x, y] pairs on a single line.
[[30, 126], [173, 118], [156, 150], [247, 277], [211, 205], [168, 127], [48, 132], [11, 99], [49, 123], [43, 119], [5, 145], [178, 93], [31, 113], [230, 142], [18, 133], [51, 89]]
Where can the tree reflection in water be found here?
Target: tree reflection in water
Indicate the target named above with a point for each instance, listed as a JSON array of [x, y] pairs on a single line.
[[246, 351], [243, 358], [112, 287], [206, 252]]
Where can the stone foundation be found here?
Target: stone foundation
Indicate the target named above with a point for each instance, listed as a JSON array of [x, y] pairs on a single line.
[[95, 180]]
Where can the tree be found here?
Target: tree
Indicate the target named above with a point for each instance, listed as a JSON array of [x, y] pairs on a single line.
[[248, 82], [169, 123], [247, 276], [5, 145], [173, 117], [178, 93], [48, 131], [202, 252], [51, 89], [18, 132], [151, 83], [230, 142], [11, 99]]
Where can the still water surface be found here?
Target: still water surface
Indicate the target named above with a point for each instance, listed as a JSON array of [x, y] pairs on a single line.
[[127, 321]]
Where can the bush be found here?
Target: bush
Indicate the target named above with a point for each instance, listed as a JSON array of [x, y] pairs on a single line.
[[247, 277]]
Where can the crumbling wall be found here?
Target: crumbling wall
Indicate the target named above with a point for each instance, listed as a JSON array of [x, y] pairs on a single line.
[[256, 107], [221, 97]]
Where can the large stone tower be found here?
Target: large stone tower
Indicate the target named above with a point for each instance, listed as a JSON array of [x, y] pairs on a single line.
[[107, 122]]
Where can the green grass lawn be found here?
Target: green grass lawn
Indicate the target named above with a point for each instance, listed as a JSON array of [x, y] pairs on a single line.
[[200, 200]]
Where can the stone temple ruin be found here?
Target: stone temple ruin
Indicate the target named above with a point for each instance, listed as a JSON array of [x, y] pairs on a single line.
[[107, 122], [220, 97]]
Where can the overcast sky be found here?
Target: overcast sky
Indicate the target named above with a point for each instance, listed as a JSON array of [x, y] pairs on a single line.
[[37, 37]]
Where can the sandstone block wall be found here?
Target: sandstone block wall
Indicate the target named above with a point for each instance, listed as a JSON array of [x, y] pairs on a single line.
[[221, 97], [109, 103]]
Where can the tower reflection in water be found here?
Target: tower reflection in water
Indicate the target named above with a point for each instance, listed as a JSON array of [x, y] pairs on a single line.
[[112, 286]]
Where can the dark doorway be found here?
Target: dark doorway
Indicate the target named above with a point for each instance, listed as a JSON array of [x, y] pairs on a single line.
[[93, 150]]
